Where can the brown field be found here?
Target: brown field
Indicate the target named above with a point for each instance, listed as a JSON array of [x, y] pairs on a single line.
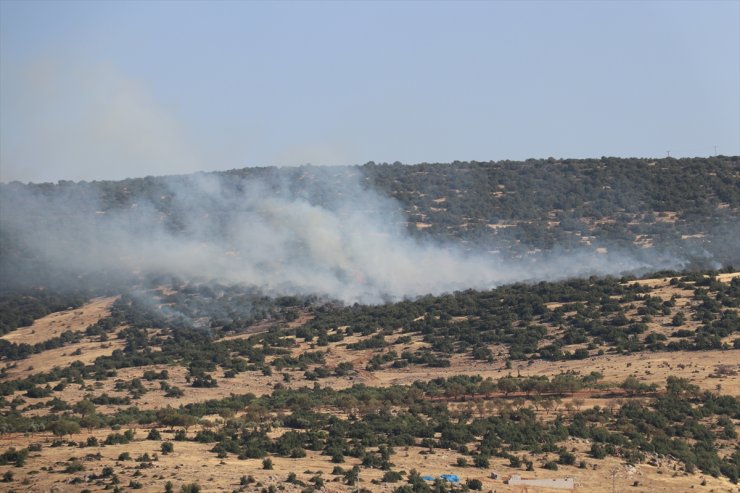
[[85, 351], [52, 325], [696, 366], [727, 277], [700, 368], [195, 462]]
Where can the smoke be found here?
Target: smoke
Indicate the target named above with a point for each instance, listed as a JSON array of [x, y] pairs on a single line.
[[63, 119], [322, 232]]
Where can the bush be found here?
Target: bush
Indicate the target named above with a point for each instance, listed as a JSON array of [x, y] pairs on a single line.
[[392, 477], [481, 461], [267, 464], [474, 484], [174, 392], [167, 448], [566, 458], [597, 451], [65, 427], [74, 466], [317, 481], [17, 457]]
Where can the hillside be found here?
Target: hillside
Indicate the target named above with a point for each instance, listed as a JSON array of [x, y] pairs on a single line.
[[364, 328], [667, 213], [547, 380]]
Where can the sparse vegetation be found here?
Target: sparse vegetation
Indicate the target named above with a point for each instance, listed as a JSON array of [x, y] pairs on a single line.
[[278, 385]]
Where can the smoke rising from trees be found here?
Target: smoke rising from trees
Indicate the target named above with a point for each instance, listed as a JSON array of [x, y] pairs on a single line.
[[325, 234]]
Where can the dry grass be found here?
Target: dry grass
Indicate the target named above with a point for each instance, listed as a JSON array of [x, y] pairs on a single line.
[[52, 325], [727, 277], [194, 462], [85, 351], [696, 366]]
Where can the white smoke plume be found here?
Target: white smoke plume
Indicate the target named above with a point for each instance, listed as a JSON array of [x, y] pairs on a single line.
[[327, 235]]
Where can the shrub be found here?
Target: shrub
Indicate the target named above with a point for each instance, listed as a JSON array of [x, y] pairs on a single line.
[[74, 466], [566, 458], [474, 484], [392, 477], [17, 457], [481, 461], [597, 451], [65, 427]]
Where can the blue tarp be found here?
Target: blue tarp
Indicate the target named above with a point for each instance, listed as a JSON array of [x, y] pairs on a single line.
[[450, 478]]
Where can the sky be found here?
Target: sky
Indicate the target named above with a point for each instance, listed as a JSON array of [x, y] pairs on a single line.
[[110, 90]]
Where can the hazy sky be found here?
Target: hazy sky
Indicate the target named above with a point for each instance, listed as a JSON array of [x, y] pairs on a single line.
[[108, 90]]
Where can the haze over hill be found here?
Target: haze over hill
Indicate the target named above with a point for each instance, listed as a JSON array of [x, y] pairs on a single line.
[[374, 233]]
